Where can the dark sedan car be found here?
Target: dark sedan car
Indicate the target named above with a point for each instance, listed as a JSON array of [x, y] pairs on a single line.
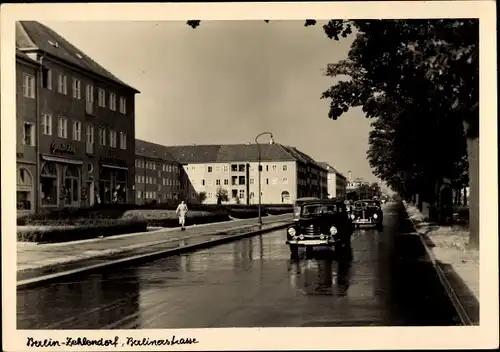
[[321, 223], [367, 212]]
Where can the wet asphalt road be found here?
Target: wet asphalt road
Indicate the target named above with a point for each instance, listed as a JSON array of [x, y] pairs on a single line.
[[387, 281]]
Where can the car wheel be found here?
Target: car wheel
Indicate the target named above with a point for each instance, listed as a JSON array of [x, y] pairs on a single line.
[[294, 251]]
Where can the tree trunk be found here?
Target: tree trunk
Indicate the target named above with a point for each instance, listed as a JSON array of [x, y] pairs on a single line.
[[473, 156]]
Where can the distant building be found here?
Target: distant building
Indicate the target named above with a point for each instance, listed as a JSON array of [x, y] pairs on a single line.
[[354, 184], [75, 126], [287, 173], [157, 174], [337, 183]]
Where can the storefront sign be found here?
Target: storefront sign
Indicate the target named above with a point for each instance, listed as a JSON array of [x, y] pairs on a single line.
[[62, 148], [112, 160]]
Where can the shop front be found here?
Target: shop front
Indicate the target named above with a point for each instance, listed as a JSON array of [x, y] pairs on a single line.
[[60, 182], [113, 177]]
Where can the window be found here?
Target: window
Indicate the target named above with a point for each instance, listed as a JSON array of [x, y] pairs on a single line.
[[139, 194], [285, 180], [47, 124], [77, 88], [226, 182], [102, 136], [164, 181], [252, 181], [123, 140], [217, 169], [101, 97], [234, 168], [29, 134], [112, 139], [209, 169], [72, 185], [47, 78], [112, 101], [242, 193], [90, 139], [274, 167], [267, 181], [62, 84], [267, 167], [234, 180], [89, 99], [209, 195], [123, 105], [29, 86], [241, 180], [217, 182], [226, 168], [62, 131], [241, 167], [77, 130], [48, 184], [24, 194], [203, 182]]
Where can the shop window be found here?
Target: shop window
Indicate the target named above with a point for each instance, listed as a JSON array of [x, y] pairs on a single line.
[[24, 195], [120, 191], [49, 184], [72, 185]]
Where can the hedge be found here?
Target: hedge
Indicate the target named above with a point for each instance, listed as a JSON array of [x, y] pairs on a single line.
[[74, 233], [117, 211]]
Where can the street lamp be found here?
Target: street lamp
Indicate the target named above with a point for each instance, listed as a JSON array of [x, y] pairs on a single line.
[[271, 141]]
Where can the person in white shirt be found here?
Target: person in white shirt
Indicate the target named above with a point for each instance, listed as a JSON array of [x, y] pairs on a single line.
[[181, 212]]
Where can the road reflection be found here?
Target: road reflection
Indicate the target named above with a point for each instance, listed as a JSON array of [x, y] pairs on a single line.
[[323, 274]]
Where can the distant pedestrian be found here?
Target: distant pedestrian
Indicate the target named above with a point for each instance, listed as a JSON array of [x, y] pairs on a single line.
[[181, 212]]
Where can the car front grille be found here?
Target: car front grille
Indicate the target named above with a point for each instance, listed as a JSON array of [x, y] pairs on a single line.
[[312, 231]]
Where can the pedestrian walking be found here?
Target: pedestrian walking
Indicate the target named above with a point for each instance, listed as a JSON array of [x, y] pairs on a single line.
[[181, 212]]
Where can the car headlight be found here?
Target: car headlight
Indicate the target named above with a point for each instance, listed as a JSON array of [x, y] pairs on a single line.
[[301, 237], [292, 231], [375, 216], [321, 237], [353, 216], [333, 230]]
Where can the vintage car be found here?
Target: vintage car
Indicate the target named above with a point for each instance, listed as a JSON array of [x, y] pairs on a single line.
[[367, 212], [320, 223]]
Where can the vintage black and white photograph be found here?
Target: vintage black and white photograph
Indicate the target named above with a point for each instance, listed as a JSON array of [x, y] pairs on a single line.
[[260, 173]]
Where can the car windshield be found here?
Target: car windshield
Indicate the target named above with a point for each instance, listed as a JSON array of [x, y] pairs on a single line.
[[320, 209]]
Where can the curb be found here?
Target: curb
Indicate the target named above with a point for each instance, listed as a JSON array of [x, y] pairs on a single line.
[[457, 304], [29, 283]]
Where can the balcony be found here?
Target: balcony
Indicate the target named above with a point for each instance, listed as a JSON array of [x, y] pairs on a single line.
[[89, 107], [89, 148]]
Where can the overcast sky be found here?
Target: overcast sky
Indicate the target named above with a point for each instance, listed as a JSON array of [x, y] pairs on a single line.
[[227, 81]]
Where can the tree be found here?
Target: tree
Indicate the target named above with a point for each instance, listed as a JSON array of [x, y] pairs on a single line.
[[202, 196], [222, 195]]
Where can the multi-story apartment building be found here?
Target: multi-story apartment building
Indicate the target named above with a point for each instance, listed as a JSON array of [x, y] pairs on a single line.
[[286, 173], [76, 125], [157, 174], [337, 183]]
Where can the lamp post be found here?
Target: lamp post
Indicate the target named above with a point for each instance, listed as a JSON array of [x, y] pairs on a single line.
[[271, 141]]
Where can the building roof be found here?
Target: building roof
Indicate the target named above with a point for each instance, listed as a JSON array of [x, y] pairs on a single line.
[[34, 36], [219, 153], [23, 56], [153, 151], [331, 169]]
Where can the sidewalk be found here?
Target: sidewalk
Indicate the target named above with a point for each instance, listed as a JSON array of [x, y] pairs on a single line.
[[32, 257], [460, 265]]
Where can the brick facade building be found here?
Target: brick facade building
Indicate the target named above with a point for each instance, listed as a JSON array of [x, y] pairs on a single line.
[[80, 120]]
